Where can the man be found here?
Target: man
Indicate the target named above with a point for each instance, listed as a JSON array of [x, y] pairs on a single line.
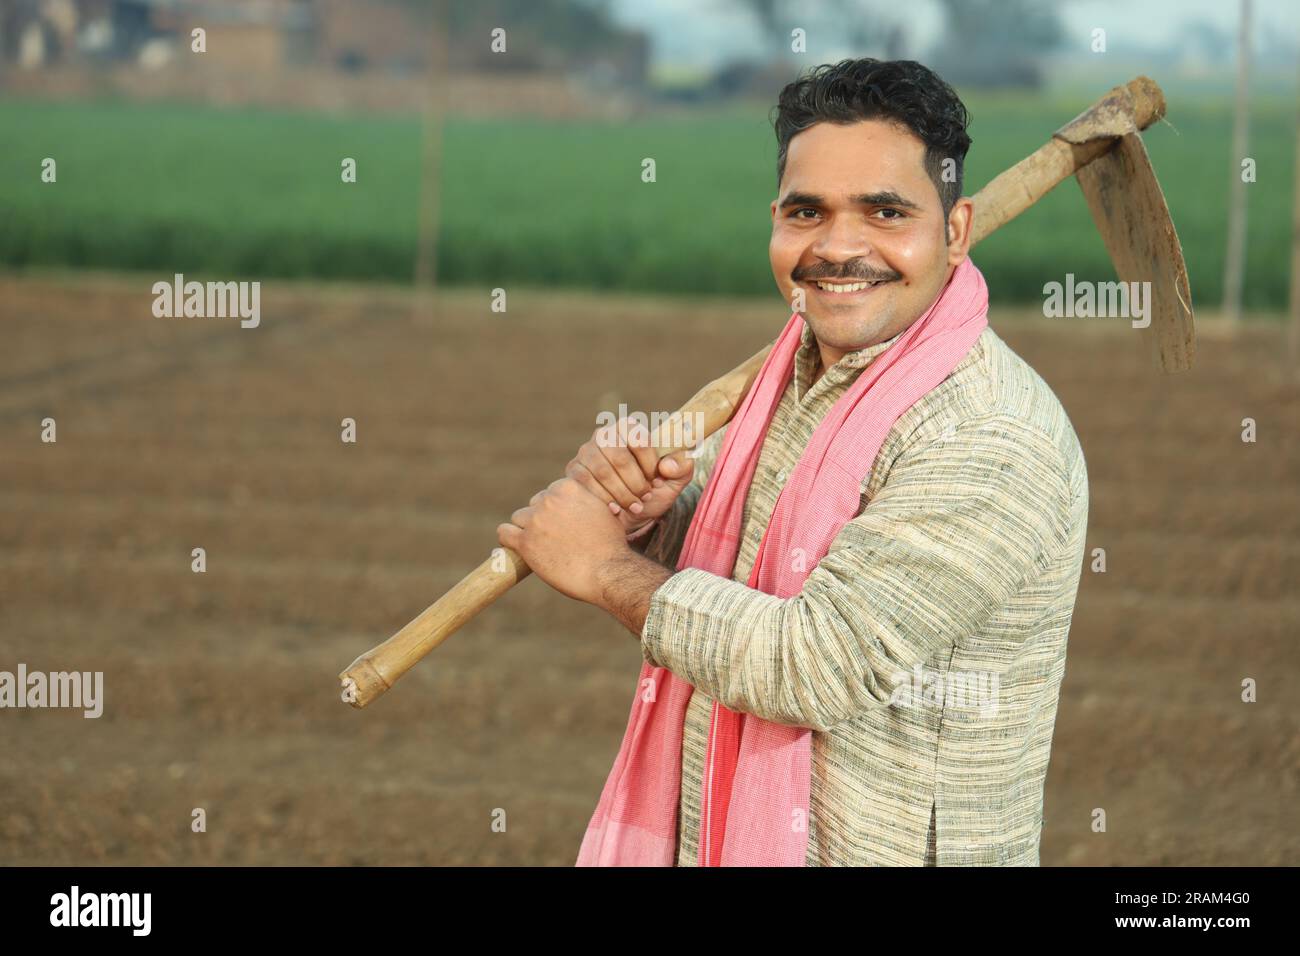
[[832, 677]]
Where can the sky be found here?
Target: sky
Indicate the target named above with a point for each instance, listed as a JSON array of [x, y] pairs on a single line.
[[710, 32]]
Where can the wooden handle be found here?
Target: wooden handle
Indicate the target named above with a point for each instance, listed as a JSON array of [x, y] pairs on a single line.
[[1138, 103], [378, 669]]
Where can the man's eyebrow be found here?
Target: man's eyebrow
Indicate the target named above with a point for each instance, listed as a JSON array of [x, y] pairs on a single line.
[[885, 197], [801, 199]]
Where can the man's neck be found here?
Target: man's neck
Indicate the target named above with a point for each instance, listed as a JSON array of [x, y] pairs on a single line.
[[827, 357]]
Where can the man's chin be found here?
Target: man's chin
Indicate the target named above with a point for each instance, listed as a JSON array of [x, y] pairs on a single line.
[[845, 331]]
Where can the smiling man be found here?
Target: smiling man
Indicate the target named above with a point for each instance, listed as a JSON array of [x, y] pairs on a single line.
[[853, 605]]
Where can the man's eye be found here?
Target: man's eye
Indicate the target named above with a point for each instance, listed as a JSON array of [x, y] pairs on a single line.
[[896, 214], [796, 215]]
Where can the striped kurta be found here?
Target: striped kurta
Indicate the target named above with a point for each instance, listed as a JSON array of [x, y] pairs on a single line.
[[926, 650]]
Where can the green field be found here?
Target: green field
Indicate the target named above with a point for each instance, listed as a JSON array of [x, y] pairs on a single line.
[[258, 194]]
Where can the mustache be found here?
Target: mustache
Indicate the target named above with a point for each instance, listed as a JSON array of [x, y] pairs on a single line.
[[854, 275]]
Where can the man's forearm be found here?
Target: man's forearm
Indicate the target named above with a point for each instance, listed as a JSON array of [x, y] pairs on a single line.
[[627, 583]]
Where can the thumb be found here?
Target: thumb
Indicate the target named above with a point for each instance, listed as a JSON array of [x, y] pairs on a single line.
[[677, 468]]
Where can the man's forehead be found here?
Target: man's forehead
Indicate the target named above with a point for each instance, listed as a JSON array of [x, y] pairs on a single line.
[[829, 156]]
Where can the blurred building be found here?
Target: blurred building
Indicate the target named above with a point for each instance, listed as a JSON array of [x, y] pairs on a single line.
[[563, 56], [350, 35], [241, 34]]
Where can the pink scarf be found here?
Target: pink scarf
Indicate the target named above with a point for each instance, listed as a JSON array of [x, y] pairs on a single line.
[[758, 773]]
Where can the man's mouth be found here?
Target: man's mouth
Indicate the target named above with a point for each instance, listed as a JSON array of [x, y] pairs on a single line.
[[855, 288]]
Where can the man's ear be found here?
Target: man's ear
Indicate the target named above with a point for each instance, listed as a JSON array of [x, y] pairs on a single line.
[[960, 220]]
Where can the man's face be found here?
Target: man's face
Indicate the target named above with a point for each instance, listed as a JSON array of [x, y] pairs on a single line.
[[856, 204]]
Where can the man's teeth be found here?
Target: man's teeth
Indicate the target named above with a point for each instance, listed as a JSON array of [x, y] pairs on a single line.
[[850, 287]]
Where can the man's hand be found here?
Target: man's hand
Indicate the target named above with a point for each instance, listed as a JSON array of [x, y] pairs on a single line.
[[620, 468], [566, 535]]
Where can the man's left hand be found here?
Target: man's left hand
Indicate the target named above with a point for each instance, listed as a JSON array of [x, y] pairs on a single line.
[[566, 535]]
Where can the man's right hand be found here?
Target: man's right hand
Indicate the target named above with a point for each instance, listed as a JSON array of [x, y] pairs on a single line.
[[618, 466]]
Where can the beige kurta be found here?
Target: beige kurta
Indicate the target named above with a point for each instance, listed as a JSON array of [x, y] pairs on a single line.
[[926, 650]]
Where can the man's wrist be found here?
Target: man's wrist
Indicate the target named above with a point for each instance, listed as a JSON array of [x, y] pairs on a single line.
[[639, 538], [625, 584]]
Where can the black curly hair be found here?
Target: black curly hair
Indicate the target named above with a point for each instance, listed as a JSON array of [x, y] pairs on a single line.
[[903, 91]]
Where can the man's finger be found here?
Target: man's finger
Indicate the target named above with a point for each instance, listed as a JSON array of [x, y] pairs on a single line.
[[629, 470], [591, 458], [638, 443], [676, 466], [624, 461], [583, 476]]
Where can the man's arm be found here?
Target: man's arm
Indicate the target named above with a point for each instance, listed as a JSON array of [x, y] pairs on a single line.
[[626, 584], [956, 530]]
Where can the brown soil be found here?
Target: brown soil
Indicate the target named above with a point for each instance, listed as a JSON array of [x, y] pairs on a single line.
[[221, 688]]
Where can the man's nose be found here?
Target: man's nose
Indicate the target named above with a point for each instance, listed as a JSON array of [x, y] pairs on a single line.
[[843, 238]]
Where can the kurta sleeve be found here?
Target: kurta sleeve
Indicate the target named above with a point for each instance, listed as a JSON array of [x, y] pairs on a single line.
[[959, 525]]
